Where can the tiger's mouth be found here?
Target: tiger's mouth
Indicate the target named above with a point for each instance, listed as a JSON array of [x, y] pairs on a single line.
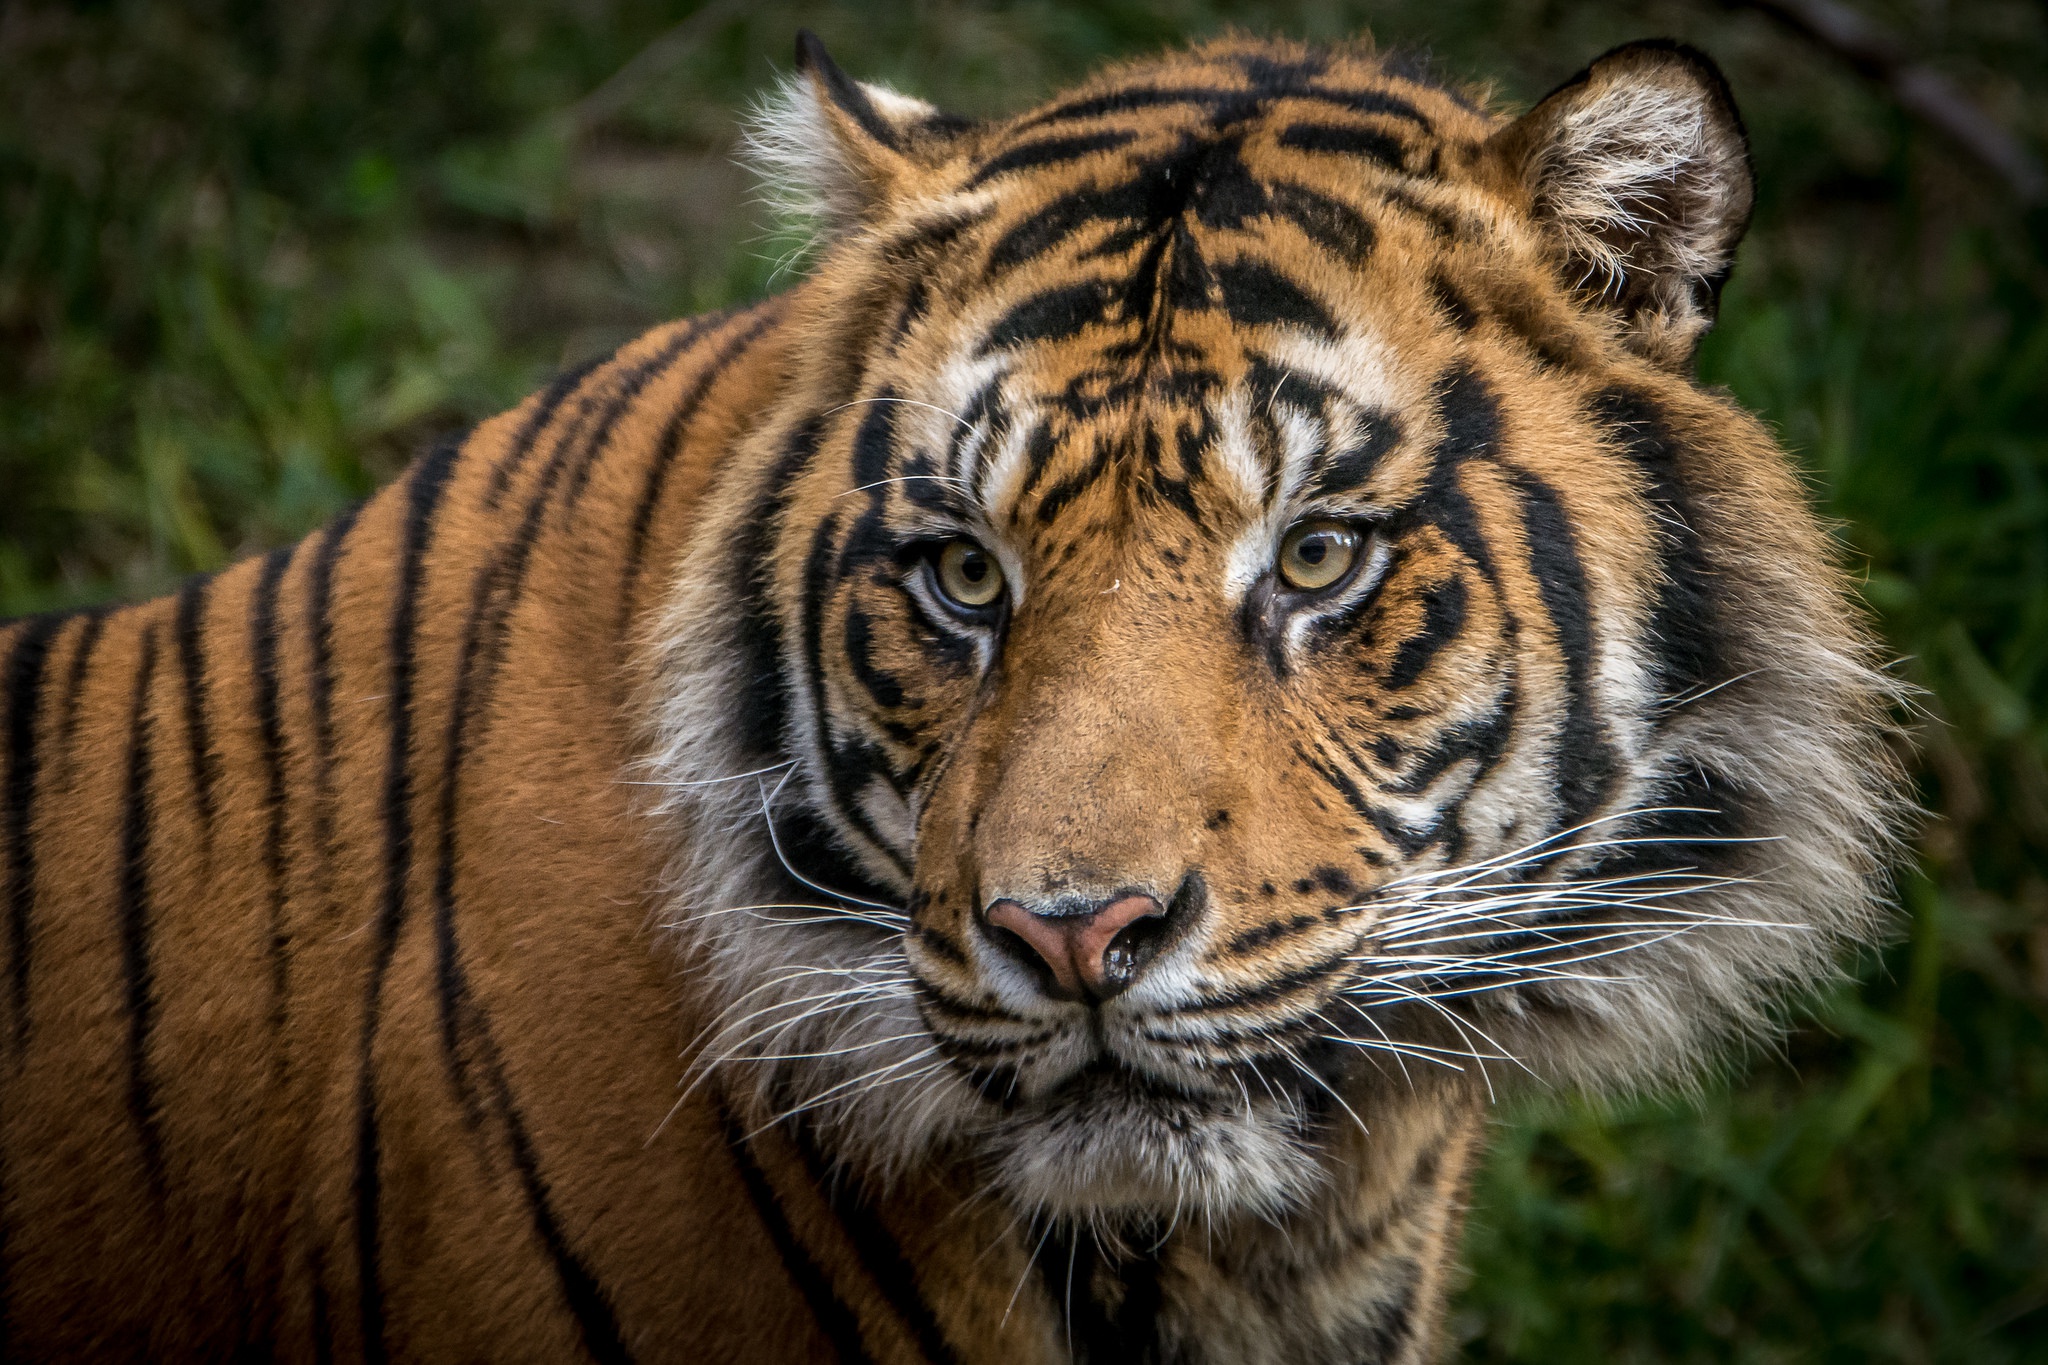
[[1098, 1116], [1112, 1140]]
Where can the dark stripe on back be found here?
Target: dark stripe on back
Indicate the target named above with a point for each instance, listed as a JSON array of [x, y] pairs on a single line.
[[26, 663], [131, 920], [670, 443], [832, 1316], [423, 491], [497, 591], [189, 629], [551, 398], [636, 379], [320, 673], [270, 731], [74, 675]]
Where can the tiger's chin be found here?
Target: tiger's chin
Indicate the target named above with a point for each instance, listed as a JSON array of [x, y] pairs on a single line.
[[1114, 1147]]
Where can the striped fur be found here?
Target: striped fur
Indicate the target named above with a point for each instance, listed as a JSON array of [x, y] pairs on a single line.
[[540, 916]]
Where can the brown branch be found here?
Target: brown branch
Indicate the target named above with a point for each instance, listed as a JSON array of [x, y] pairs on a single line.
[[1920, 89]]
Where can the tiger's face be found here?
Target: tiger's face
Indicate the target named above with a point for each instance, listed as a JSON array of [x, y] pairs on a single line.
[[1260, 615]]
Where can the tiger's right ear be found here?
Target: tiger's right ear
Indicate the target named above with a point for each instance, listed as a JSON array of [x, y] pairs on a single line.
[[837, 150]]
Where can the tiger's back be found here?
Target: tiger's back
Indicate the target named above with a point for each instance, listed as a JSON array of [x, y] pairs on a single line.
[[828, 832], [254, 1056]]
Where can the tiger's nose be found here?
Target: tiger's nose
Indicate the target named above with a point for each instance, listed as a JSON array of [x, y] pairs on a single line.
[[1092, 952]]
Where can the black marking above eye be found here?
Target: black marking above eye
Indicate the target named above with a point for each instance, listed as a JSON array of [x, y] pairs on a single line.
[[1054, 315], [1255, 294], [1369, 143]]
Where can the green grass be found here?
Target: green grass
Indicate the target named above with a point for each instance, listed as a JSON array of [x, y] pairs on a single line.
[[252, 258]]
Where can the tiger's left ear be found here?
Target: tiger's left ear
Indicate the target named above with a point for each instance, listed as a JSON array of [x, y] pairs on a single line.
[[1639, 166], [835, 149]]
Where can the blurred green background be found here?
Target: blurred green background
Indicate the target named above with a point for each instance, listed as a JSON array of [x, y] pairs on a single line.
[[253, 256]]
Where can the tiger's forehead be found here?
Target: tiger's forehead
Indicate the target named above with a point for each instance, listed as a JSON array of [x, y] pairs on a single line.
[[1300, 423], [1212, 282]]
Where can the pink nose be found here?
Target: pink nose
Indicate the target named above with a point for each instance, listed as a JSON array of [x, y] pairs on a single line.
[[1089, 954]]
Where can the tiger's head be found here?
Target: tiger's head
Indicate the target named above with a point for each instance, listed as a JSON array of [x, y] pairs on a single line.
[[1242, 610]]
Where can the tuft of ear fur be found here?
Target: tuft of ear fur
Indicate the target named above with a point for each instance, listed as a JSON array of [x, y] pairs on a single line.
[[1640, 167], [831, 151]]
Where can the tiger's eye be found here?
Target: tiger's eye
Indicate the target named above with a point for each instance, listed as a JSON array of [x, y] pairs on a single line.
[[1315, 554], [969, 574]]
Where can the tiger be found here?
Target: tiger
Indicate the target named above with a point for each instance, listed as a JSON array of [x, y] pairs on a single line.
[[1019, 800]]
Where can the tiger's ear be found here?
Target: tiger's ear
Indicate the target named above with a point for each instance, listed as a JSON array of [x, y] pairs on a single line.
[[1639, 166], [835, 150]]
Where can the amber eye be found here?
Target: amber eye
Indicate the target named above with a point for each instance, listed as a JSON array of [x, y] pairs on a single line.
[[969, 575], [1315, 554]]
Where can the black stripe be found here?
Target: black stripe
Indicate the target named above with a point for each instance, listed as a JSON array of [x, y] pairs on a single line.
[[1684, 632], [636, 379], [832, 1316], [270, 731], [1443, 620], [1336, 227], [131, 919], [1348, 467], [879, 1254], [1585, 758], [587, 1301], [551, 398], [1482, 738], [1383, 1336], [1127, 101], [763, 704], [1409, 841], [1053, 315], [496, 592], [1452, 304], [1074, 485], [670, 444], [1047, 151], [422, 497], [1221, 101], [190, 631], [320, 674], [1377, 102], [1470, 418], [846, 766], [1369, 143], [74, 674], [26, 663], [323, 1325], [1255, 294]]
